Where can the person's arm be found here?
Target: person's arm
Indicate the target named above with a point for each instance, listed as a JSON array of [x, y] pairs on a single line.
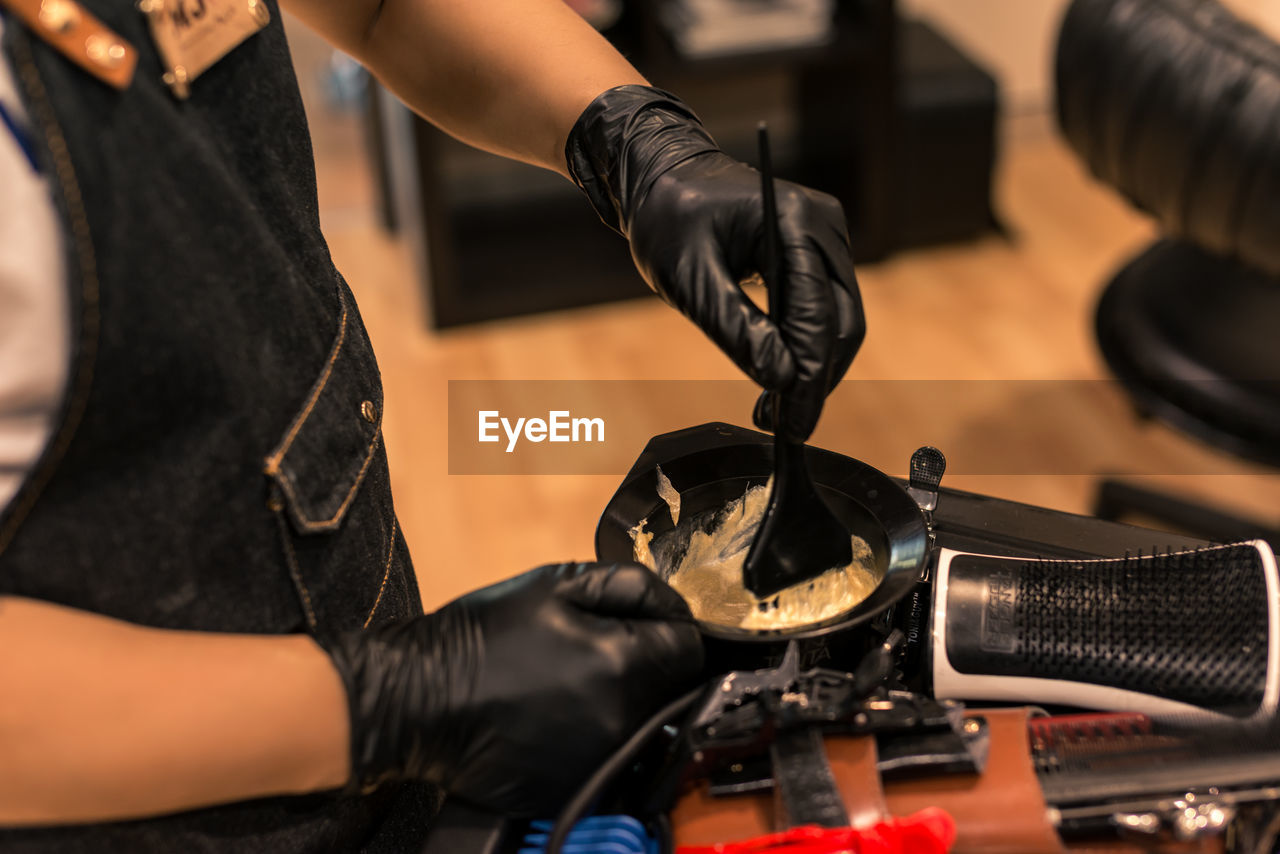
[[508, 697], [508, 76], [101, 719], [531, 80]]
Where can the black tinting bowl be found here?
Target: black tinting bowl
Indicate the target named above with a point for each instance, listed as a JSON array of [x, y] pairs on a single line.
[[713, 464]]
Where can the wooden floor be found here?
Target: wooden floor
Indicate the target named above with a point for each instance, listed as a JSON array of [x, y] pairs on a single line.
[[1010, 315]]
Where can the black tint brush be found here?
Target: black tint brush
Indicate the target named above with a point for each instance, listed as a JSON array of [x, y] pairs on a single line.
[[799, 537]]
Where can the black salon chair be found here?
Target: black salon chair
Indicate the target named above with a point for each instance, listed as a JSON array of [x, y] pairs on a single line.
[[1176, 103]]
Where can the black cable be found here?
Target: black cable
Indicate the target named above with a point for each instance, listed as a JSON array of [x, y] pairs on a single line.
[[666, 838], [595, 784]]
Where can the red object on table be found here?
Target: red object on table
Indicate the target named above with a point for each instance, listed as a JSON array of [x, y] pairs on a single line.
[[929, 831]]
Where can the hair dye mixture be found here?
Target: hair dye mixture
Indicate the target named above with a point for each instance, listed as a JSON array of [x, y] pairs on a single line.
[[708, 571]]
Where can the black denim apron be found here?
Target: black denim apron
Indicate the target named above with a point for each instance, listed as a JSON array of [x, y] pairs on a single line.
[[219, 463]]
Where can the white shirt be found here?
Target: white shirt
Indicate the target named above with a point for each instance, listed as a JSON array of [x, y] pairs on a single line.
[[34, 314]]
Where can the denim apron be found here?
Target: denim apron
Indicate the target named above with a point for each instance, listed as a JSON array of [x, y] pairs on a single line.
[[219, 463]]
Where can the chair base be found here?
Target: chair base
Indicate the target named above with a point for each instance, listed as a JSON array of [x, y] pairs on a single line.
[[1195, 339]]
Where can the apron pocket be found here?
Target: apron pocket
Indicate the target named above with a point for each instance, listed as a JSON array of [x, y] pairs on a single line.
[[326, 452], [332, 496]]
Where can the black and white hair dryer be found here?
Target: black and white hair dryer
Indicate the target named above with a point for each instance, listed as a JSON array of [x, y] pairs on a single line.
[[1177, 633]]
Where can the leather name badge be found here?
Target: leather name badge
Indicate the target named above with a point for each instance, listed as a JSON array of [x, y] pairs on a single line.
[[191, 35], [80, 37]]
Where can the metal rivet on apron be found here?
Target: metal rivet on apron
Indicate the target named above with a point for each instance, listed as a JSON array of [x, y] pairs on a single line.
[[259, 12], [369, 411], [60, 16], [104, 51]]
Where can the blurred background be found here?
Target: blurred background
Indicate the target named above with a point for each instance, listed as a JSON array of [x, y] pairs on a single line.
[[982, 244]]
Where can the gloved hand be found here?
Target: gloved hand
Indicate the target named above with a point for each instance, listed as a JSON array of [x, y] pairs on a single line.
[[509, 697], [695, 220]]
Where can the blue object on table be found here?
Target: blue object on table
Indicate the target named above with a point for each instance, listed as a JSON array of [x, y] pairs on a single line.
[[20, 136], [597, 834]]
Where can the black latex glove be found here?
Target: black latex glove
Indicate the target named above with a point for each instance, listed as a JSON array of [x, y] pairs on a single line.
[[694, 217], [511, 696]]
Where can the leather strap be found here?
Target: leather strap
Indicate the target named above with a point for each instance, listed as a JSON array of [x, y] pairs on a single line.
[[69, 28], [1001, 810], [805, 791], [700, 819]]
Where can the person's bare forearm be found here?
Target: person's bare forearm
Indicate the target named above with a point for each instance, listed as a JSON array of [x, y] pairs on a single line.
[[508, 76], [101, 719]]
